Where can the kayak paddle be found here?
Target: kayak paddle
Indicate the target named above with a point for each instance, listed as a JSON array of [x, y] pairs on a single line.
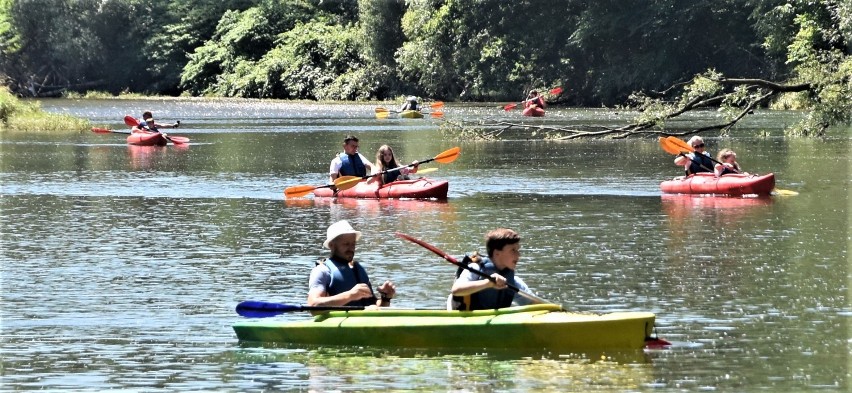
[[454, 261], [98, 130], [342, 183], [446, 157], [555, 91], [258, 309], [131, 121]]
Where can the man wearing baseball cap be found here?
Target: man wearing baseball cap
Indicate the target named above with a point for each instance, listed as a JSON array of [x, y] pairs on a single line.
[[340, 280]]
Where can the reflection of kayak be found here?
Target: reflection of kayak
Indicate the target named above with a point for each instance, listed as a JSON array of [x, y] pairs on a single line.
[[533, 111], [418, 188], [692, 202], [146, 138], [542, 326], [731, 184], [410, 114]]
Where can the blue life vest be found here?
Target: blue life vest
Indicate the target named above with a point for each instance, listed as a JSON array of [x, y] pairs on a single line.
[[344, 278], [390, 177], [488, 299], [696, 163], [352, 165]]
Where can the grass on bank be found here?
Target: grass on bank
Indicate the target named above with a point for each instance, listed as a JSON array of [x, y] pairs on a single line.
[[17, 115]]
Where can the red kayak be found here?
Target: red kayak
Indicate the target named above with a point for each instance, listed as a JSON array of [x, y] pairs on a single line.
[[731, 184], [146, 138], [533, 111], [421, 188]]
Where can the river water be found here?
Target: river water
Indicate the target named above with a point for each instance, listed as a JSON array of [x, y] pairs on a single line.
[[121, 265]]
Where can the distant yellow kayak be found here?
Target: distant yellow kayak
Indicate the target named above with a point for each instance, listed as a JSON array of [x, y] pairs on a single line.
[[410, 114], [541, 326]]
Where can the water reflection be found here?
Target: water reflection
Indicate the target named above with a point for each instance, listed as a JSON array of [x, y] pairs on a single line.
[[147, 157], [325, 369]]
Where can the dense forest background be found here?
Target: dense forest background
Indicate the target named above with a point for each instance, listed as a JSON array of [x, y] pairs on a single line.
[[455, 50]]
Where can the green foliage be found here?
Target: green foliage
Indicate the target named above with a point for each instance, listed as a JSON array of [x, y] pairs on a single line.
[[22, 116]]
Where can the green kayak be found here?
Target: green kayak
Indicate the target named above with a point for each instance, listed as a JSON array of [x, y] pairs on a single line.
[[536, 327]]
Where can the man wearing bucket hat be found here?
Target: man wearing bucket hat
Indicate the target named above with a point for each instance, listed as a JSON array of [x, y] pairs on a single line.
[[410, 104], [340, 280]]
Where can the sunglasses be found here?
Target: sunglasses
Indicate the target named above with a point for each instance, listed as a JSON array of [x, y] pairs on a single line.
[[698, 145]]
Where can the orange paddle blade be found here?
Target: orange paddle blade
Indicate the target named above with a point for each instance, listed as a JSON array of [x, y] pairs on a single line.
[[679, 144], [437, 105], [99, 130], [448, 156], [298, 191], [437, 114], [382, 110], [668, 147]]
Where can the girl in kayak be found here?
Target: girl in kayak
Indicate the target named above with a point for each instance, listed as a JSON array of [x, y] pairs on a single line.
[[386, 160], [727, 163], [472, 292], [697, 161]]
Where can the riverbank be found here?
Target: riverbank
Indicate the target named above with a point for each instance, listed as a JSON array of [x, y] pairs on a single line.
[[18, 115]]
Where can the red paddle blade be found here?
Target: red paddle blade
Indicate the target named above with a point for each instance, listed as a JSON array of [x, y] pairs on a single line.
[[131, 121], [656, 343], [179, 140], [509, 107], [98, 130], [556, 91]]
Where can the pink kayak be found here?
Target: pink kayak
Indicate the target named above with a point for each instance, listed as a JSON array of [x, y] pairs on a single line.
[[731, 184], [146, 138], [421, 188], [534, 111]]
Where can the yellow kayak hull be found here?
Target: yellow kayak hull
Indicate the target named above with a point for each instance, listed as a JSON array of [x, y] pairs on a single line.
[[536, 327]]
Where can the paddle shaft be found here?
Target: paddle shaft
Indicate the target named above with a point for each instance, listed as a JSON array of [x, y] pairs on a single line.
[[449, 258]]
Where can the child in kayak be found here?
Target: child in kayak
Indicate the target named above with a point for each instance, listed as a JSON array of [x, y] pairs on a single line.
[[385, 160], [472, 292], [727, 163]]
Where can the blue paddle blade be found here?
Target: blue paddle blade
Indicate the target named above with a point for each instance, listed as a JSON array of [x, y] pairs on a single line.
[[257, 309]]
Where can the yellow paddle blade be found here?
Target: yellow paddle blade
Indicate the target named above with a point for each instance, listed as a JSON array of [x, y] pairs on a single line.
[[347, 182], [448, 156], [381, 109], [437, 105], [779, 191], [382, 115], [425, 171], [298, 191]]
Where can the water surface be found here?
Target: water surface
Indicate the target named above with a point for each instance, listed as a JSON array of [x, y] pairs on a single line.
[[121, 265]]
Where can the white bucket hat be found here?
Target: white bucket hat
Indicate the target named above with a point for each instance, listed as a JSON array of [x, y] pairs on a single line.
[[341, 227]]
